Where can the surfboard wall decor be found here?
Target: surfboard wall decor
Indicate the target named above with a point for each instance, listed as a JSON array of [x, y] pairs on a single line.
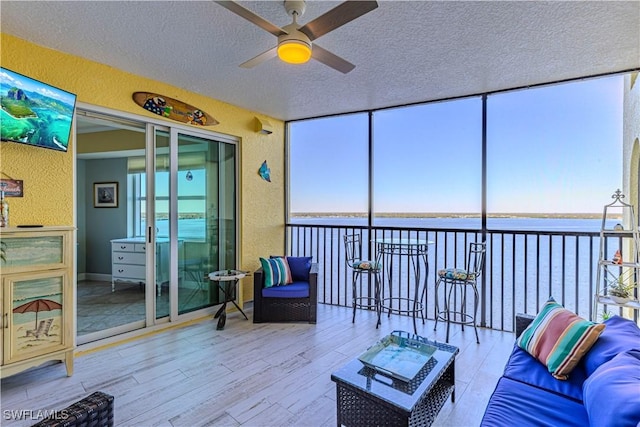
[[173, 109]]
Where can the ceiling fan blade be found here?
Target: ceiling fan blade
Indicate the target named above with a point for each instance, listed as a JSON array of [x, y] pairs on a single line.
[[336, 17], [252, 17], [331, 60], [257, 60]]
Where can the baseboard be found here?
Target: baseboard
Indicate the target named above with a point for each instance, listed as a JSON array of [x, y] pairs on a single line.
[[98, 277]]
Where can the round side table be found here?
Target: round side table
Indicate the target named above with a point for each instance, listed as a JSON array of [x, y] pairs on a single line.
[[227, 281]]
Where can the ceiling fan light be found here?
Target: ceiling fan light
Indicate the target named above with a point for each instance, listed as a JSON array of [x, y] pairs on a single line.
[[294, 51]]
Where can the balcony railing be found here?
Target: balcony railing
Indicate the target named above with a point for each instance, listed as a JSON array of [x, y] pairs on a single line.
[[523, 268]]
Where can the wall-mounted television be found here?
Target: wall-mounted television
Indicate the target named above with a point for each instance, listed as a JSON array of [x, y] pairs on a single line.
[[34, 112]]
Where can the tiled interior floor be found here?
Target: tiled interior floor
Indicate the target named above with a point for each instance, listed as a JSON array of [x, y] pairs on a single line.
[[98, 308]]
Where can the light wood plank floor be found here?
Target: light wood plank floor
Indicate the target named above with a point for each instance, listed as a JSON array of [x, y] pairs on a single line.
[[248, 374]]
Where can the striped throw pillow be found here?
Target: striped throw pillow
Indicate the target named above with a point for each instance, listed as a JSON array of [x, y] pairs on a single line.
[[559, 338], [276, 272]]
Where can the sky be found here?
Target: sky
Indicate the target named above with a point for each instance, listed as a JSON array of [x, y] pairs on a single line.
[[553, 149], [11, 78]]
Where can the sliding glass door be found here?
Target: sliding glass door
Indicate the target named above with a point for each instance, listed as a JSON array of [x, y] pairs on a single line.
[[194, 187], [177, 207], [110, 255], [205, 217]]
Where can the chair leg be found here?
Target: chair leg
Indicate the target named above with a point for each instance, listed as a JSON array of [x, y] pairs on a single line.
[[366, 302], [463, 307], [355, 297], [447, 301], [475, 311], [463, 318], [389, 281], [377, 301], [437, 306]]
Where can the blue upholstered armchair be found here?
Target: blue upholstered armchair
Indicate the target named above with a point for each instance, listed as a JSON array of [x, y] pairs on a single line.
[[275, 300]]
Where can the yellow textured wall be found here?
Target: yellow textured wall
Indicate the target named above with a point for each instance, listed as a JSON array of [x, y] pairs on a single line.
[[114, 140], [48, 175], [47, 186]]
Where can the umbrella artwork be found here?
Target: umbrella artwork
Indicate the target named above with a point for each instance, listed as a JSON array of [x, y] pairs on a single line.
[[37, 306]]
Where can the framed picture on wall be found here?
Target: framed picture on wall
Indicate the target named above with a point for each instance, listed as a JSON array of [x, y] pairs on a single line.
[[105, 194]]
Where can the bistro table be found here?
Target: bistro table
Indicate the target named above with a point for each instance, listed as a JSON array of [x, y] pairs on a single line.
[[415, 250], [367, 397], [227, 281]]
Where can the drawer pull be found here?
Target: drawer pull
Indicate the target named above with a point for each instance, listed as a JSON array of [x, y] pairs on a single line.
[[123, 247], [6, 320], [120, 271], [121, 258]]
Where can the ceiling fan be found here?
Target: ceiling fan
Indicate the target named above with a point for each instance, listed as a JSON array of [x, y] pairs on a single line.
[[295, 40]]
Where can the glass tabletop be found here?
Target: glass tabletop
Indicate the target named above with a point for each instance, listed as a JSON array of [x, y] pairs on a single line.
[[404, 242], [403, 394], [227, 275], [396, 246]]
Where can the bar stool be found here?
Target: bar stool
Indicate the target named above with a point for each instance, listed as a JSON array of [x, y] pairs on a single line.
[[461, 280], [359, 266]]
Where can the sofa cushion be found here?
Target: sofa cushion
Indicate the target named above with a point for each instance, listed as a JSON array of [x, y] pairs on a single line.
[[612, 392], [559, 338], [300, 267], [294, 290], [619, 336], [523, 367], [276, 272], [516, 404]]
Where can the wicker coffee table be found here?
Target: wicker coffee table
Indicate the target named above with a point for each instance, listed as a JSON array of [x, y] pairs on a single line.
[[366, 397]]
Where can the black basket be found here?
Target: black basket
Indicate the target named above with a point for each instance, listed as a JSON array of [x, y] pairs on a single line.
[[95, 410]]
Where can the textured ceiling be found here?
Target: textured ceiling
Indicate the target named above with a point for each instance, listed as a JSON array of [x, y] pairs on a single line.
[[404, 51]]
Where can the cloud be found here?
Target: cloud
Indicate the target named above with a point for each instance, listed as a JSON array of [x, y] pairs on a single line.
[[4, 76]]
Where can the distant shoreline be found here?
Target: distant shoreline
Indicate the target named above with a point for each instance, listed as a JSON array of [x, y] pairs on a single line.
[[199, 215], [444, 215]]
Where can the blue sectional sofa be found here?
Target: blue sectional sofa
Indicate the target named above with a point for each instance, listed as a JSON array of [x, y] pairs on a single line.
[[602, 390]]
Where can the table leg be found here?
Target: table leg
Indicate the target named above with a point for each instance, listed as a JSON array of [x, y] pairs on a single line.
[[239, 309], [221, 310], [227, 289], [390, 282], [221, 321], [221, 314], [452, 373]]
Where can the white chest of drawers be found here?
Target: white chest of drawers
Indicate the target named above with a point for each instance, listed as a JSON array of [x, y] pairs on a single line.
[[128, 261]]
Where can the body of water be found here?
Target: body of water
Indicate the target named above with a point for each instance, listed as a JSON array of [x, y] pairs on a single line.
[[522, 270], [510, 223], [195, 229]]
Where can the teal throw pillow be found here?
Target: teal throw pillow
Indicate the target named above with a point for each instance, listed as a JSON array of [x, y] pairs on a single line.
[[276, 272]]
